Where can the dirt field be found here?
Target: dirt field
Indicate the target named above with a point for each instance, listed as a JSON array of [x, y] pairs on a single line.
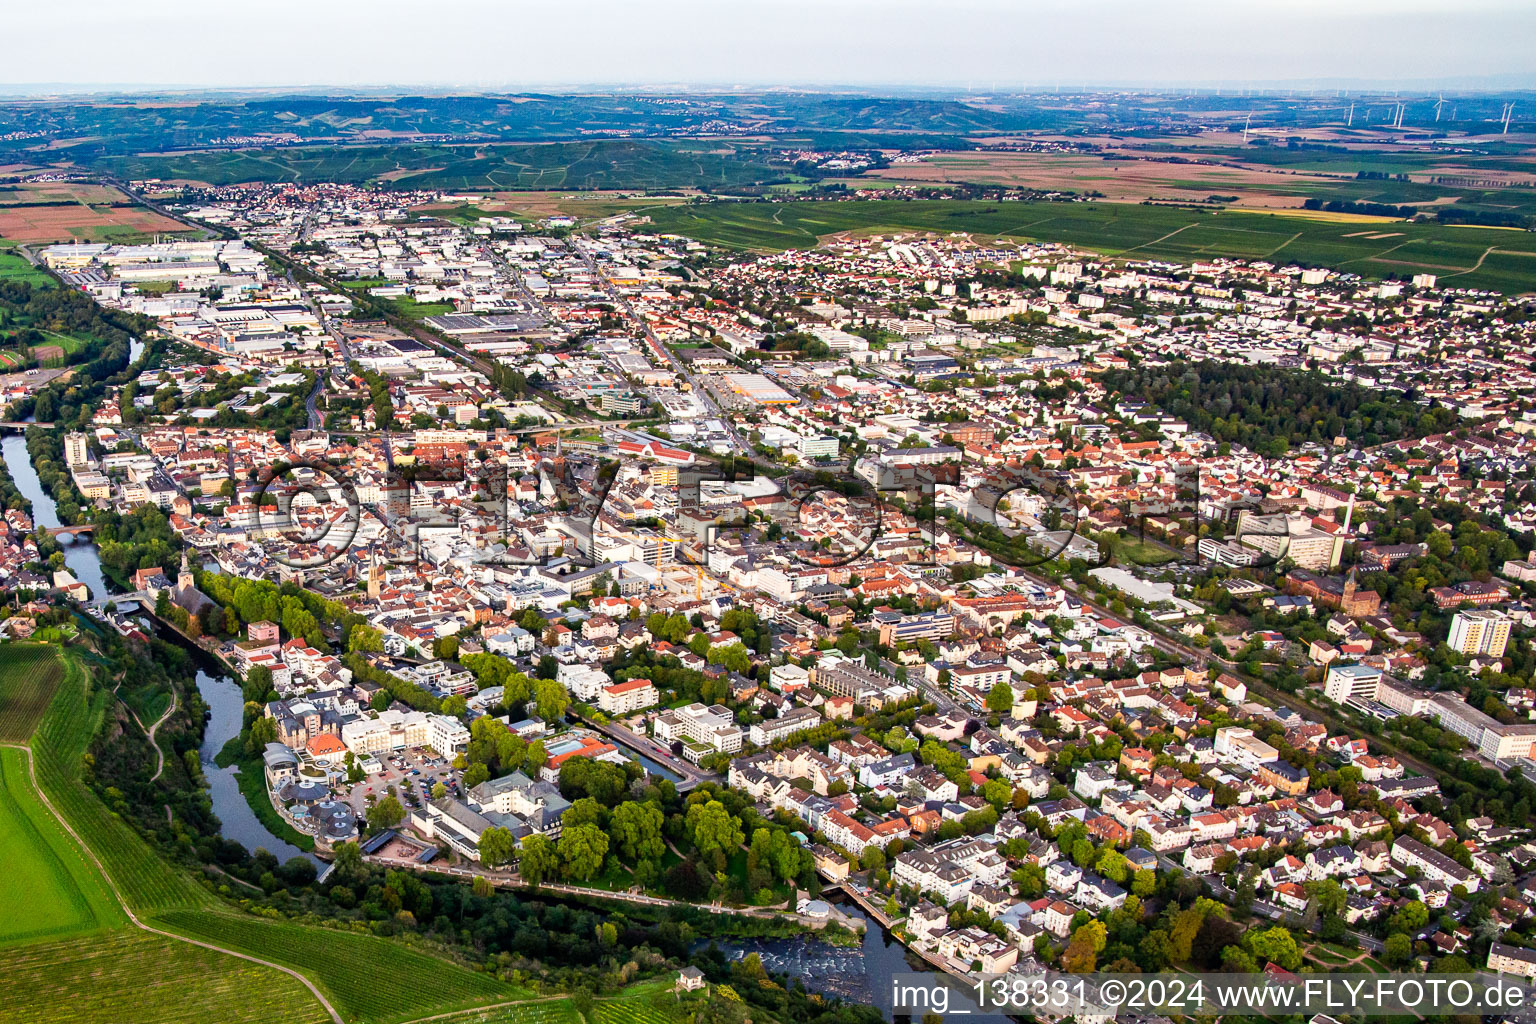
[[27, 192], [96, 213]]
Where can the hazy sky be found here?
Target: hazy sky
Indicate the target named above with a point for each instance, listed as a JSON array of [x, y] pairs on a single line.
[[498, 44]]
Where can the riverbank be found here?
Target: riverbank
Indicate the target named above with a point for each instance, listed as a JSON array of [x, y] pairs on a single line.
[[250, 776]]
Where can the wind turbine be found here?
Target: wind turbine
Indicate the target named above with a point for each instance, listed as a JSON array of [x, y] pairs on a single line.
[[1438, 105], [1245, 126], [1351, 123]]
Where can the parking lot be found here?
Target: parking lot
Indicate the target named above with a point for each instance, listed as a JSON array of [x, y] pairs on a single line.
[[413, 772]]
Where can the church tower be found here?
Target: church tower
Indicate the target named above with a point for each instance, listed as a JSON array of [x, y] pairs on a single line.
[[185, 585], [375, 574], [1347, 601]]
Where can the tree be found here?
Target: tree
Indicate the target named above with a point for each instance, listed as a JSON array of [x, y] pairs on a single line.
[[474, 775], [538, 860], [1327, 895], [636, 828], [713, 829], [261, 732], [1144, 883], [497, 847], [439, 791], [1413, 916], [1000, 698], [1398, 950], [364, 638], [387, 813], [258, 685], [582, 850], [585, 811], [550, 699], [348, 866], [1277, 946], [534, 759], [1234, 960], [1081, 954], [997, 792]]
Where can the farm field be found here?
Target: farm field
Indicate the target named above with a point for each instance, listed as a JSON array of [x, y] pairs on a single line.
[[539, 205], [132, 977], [1490, 258], [32, 193], [1134, 173], [29, 675], [119, 222], [48, 887], [368, 978], [142, 877], [647, 1002], [541, 1011]]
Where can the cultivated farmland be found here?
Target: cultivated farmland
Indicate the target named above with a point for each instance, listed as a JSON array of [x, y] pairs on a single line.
[[368, 978], [145, 880], [65, 211], [1490, 258], [132, 977], [29, 675], [48, 887]]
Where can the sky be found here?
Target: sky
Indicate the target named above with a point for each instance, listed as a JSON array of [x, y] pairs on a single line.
[[976, 44]]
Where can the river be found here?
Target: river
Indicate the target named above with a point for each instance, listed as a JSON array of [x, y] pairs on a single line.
[[237, 821], [865, 974], [79, 551], [219, 692]]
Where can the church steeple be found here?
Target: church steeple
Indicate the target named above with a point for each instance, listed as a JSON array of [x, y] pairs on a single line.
[[184, 582]]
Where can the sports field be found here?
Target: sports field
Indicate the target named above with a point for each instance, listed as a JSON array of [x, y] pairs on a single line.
[[1490, 258]]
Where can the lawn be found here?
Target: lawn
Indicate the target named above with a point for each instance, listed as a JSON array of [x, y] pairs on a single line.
[[15, 268], [49, 888], [29, 674], [1459, 256], [132, 977], [368, 978]]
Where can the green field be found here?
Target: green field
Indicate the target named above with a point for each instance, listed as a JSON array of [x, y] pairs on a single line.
[[29, 675], [142, 877], [652, 1002], [132, 977], [368, 978], [1490, 258], [602, 164], [48, 887], [15, 268]]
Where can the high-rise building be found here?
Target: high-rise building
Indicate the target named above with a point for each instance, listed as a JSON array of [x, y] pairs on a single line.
[[1479, 632], [76, 450], [1345, 681]]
